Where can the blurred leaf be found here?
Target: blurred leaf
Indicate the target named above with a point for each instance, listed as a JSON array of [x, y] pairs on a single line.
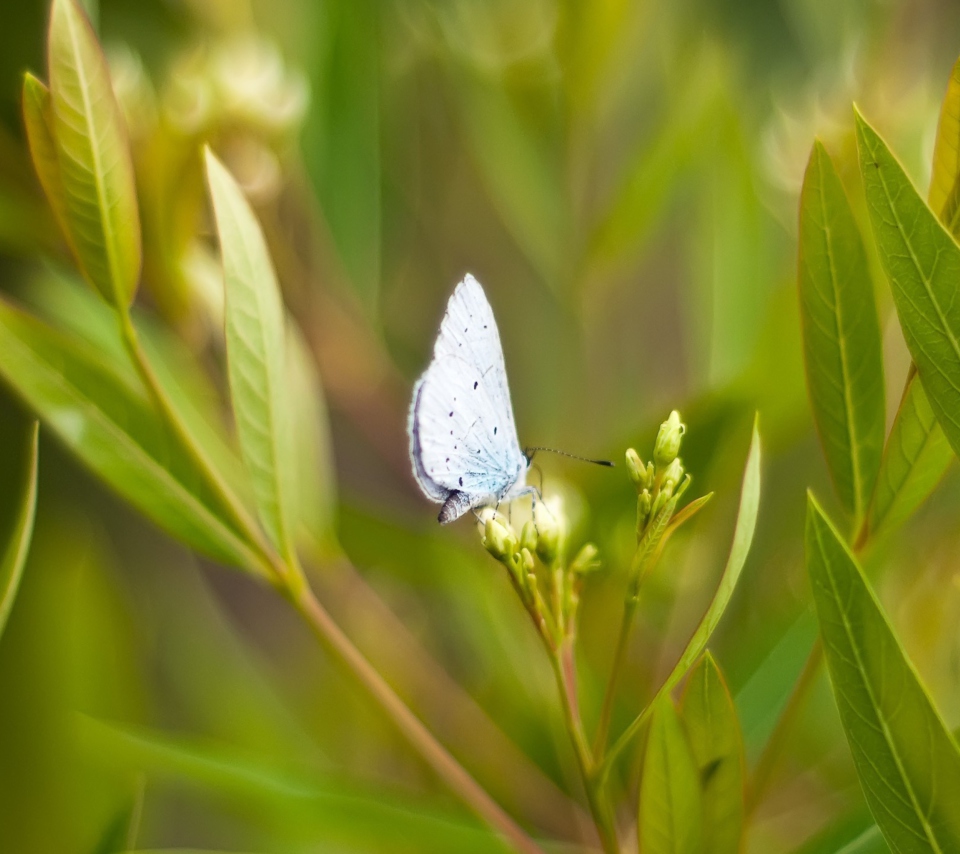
[[112, 427], [907, 761], [316, 477], [857, 836], [522, 173], [944, 195], [309, 804], [20, 531], [841, 335], [96, 171], [922, 262], [38, 122], [670, 819], [256, 357], [342, 137], [713, 732], [914, 461]]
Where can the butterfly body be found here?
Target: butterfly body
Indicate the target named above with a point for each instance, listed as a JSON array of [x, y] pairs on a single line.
[[463, 438]]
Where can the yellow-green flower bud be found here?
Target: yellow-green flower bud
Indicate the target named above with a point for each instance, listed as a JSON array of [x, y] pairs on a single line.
[[636, 469], [644, 503], [526, 560], [548, 538], [528, 536], [671, 477], [586, 560], [668, 440], [499, 539]]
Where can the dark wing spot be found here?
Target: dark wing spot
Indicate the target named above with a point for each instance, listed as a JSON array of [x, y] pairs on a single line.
[[451, 413], [465, 329], [461, 481], [451, 432], [484, 325], [475, 385], [448, 459], [494, 431]]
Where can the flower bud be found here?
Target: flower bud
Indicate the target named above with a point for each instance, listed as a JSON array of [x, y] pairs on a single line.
[[526, 561], [548, 538], [499, 539], [644, 503], [528, 536], [586, 560], [668, 440], [636, 469], [671, 477]]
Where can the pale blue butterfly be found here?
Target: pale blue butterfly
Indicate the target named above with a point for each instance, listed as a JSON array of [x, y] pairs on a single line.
[[463, 439]]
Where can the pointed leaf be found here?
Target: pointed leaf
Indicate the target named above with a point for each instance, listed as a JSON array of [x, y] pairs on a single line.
[[922, 262], [944, 195], [907, 761], [110, 424], [256, 357], [670, 801], [95, 167], [841, 335], [21, 528], [915, 459], [38, 121], [713, 732]]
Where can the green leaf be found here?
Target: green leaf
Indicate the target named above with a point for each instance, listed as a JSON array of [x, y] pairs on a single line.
[[96, 171], [841, 335], [38, 121], [670, 819], [20, 531], [922, 262], [316, 483], [256, 357], [742, 538], [713, 732], [944, 195], [907, 761], [915, 459], [110, 424]]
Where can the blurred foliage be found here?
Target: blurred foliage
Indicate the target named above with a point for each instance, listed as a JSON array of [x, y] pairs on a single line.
[[624, 178]]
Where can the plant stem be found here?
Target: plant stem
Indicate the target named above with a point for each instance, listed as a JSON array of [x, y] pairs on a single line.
[[435, 754], [619, 656], [564, 669], [771, 751]]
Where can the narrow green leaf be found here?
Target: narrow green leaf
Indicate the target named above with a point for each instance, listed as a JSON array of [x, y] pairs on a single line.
[[713, 732], [907, 761], [944, 195], [256, 357], [915, 459], [111, 425], [671, 808], [841, 335], [316, 482], [922, 262], [20, 531], [96, 171], [38, 121], [742, 538]]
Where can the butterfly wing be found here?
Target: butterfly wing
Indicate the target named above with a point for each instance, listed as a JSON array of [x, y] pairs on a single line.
[[463, 438]]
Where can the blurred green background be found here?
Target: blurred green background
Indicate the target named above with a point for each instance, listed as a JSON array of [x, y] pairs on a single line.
[[623, 178]]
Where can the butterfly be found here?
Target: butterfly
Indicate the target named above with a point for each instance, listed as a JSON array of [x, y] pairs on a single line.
[[463, 439]]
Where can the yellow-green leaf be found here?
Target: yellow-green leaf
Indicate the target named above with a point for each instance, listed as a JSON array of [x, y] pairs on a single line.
[[38, 121], [906, 759], [944, 195], [914, 461], [713, 732], [96, 172], [922, 262], [256, 358], [20, 527], [670, 820], [841, 335]]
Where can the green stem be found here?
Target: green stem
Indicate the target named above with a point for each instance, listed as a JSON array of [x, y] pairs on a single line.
[[619, 657], [564, 669]]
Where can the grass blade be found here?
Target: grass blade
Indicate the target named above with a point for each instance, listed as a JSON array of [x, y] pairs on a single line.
[[907, 761], [21, 530], [841, 335]]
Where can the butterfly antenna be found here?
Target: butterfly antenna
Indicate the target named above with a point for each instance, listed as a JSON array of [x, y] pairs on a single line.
[[529, 452]]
